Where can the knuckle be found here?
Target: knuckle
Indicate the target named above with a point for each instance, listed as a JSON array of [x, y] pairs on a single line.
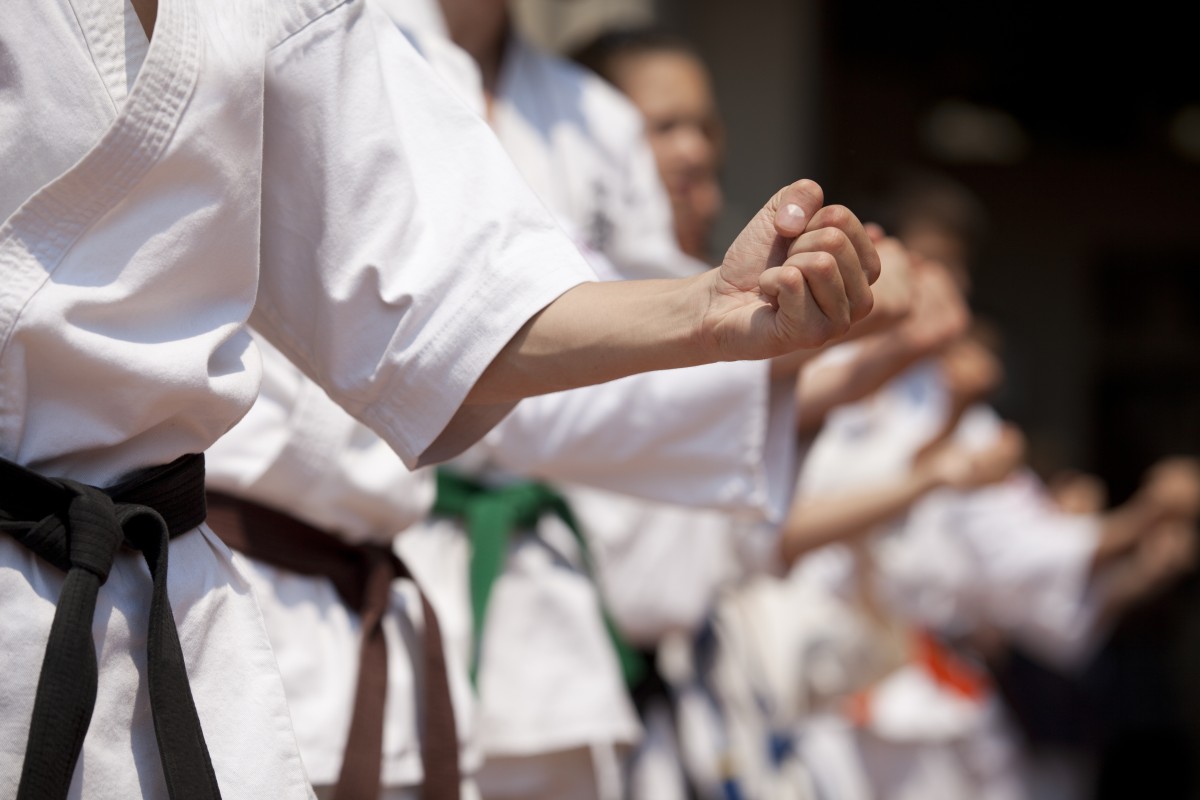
[[823, 331], [839, 216], [831, 240], [791, 280], [821, 266], [841, 324], [861, 307]]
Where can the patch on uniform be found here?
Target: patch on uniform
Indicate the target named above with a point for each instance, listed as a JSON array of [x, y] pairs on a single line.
[[600, 226]]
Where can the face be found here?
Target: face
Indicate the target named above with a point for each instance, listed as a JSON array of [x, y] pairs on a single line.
[[928, 240], [673, 93]]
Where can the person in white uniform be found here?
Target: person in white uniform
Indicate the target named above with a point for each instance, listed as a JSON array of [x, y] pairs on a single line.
[[668, 82], [997, 558], [215, 173], [581, 147], [288, 439]]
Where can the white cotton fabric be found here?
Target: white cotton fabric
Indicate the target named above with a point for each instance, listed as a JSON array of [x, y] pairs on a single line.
[[295, 159], [1001, 555], [298, 452], [582, 147], [714, 436], [660, 567]]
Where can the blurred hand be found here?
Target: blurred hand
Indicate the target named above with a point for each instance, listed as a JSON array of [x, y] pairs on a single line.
[[955, 466], [939, 314], [970, 372], [895, 290], [1165, 553], [798, 275], [1172, 486], [1078, 492]]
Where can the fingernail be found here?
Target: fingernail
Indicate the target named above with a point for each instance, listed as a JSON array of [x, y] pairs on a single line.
[[791, 216]]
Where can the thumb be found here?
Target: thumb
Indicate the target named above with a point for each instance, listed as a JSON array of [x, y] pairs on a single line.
[[794, 206]]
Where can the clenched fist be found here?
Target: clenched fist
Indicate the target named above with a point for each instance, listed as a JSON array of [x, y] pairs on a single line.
[[798, 275]]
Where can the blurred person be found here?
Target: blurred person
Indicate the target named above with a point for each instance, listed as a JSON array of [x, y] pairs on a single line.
[[166, 210], [992, 560], [579, 143], [661, 569], [668, 82], [939, 219], [581, 146], [320, 686]]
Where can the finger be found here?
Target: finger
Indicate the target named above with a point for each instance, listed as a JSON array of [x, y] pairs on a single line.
[[799, 321], [853, 283], [823, 284], [875, 231], [794, 206], [842, 218]]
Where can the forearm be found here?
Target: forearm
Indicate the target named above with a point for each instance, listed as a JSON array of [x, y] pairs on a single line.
[[597, 332], [819, 391], [797, 276], [816, 522], [1121, 530]]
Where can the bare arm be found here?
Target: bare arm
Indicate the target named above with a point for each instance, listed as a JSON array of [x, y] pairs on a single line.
[[1170, 494], [1159, 558], [797, 276], [816, 522]]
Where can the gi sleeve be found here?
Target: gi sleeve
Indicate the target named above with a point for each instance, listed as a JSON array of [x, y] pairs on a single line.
[[717, 436], [400, 249]]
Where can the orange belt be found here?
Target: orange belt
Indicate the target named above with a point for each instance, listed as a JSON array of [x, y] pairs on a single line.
[[948, 669]]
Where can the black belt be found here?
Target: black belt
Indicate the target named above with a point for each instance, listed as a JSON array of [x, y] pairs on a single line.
[[79, 529]]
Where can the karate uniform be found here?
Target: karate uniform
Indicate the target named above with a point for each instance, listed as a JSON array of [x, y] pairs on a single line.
[[291, 159], [1000, 556], [549, 681], [298, 452], [582, 147], [551, 697]]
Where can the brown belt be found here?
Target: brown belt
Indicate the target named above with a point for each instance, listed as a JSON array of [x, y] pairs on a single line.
[[362, 575]]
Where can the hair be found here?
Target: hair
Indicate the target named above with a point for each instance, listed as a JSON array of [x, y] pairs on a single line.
[[602, 53], [922, 196]]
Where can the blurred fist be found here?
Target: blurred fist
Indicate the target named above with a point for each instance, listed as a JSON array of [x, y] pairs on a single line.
[[895, 291], [1078, 492], [939, 314], [1165, 553], [969, 371], [957, 467], [1172, 486]]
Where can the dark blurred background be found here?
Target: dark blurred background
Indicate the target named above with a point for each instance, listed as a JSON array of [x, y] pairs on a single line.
[[1079, 129]]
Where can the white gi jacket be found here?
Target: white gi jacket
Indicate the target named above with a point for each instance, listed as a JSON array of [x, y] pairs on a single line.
[[298, 452], [714, 436], [297, 154], [549, 679], [1001, 555], [582, 146]]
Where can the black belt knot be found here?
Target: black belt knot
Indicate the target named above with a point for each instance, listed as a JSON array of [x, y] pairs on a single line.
[[79, 529]]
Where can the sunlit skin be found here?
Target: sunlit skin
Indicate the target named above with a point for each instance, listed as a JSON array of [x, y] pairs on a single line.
[[673, 92]]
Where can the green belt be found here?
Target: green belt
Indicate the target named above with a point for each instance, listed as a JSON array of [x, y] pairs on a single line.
[[492, 516]]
